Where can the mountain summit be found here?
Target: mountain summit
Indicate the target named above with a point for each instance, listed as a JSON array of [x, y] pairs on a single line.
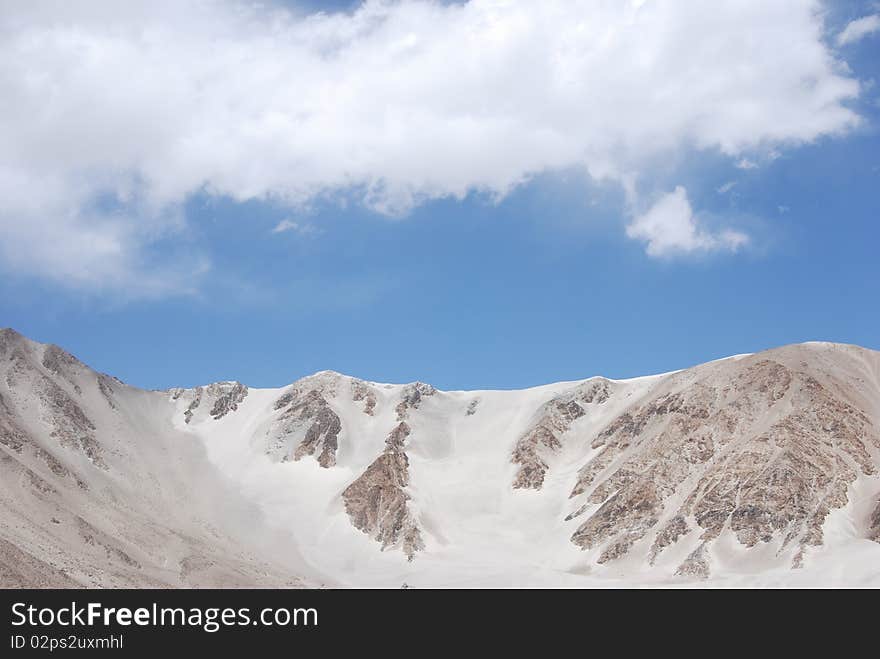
[[759, 469]]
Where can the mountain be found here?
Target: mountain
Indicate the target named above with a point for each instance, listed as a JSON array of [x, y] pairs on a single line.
[[758, 469]]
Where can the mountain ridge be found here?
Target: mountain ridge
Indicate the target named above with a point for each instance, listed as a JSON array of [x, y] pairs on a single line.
[[736, 469]]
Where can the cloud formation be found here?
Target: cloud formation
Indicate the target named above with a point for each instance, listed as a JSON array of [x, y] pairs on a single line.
[[859, 29], [670, 228], [114, 113], [288, 225]]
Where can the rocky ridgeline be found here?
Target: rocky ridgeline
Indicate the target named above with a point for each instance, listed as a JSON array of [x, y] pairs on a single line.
[[227, 396], [51, 374], [224, 397], [545, 436], [412, 397], [757, 450], [755, 446], [79, 504], [60, 363]]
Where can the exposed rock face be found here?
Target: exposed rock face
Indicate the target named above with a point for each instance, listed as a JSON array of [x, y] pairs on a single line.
[[224, 398], [229, 395], [696, 565], [668, 535], [361, 391], [56, 404], [284, 400], [308, 412], [397, 437], [756, 446], [377, 501], [545, 436], [71, 426], [194, 405], [8, 337], [874, 531], [59, 362], [107, 385], [10, 435], [412, 398]]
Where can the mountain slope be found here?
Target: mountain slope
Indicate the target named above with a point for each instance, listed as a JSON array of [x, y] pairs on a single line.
[[758, 469], [98, 489]]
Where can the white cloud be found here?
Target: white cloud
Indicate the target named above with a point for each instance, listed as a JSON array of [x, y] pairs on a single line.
[[745, 163], [726, 187], [859, 29], [296, 227], [144, 103], [670, 228]]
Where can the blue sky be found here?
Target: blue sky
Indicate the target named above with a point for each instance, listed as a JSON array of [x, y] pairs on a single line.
[[525, 284]]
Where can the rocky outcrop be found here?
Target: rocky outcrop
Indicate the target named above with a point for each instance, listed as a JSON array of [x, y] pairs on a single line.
[[758, 447], [58, 361], [412, 397], [76, 434], [57, 405], [696, 565], [11, 436], [193, 405], [228, 397], [397, 437], [377, 501], [874, 530], [308, 415], [671, 532], [107, 385], [544, 437], [224, 398], [361, 391], [8, 337], [70, 426]]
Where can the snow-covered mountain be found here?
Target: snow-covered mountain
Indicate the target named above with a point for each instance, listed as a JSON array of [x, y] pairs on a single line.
[[758, 469]]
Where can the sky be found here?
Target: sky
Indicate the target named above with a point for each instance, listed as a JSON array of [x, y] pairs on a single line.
[[477, 194]]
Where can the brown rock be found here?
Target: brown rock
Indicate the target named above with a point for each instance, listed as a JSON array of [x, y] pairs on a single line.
[[544, 437], [758, 446], [308, 412], [376, 501], [361, 391], [228, 399]]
